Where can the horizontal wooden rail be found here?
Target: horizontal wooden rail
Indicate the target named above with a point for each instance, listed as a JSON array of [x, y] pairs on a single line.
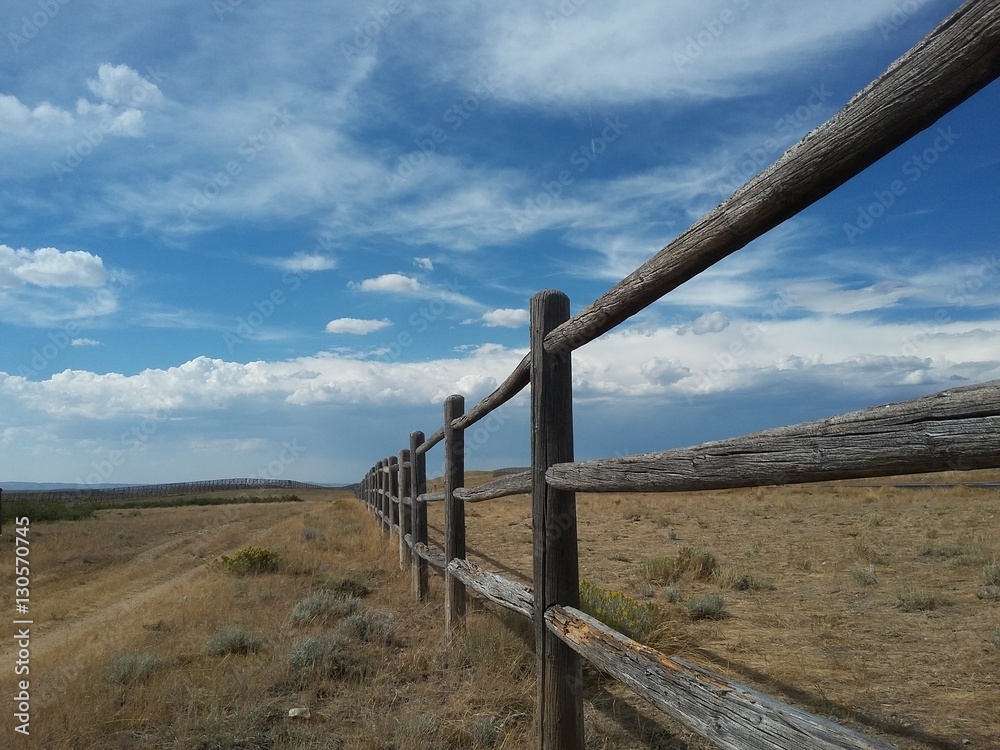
[[514, 384], [950, 430], [430, 442], [724, 712], [958, 58], [435, 559], [515, 596], [512, 484]]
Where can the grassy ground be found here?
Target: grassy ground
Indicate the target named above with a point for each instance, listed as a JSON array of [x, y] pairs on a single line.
[[877, 607]]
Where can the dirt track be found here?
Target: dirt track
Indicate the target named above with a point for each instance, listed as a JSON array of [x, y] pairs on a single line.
[[71, 599]]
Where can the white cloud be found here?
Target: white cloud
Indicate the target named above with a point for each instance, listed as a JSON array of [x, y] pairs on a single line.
[[49, 267], [392, 283], [356, 325], [424, 263], [710, 322], [303, 262], [506, 317], [85, 342], [398, 283], [836, 299], [17, 118], [606, 52], [121, 85]]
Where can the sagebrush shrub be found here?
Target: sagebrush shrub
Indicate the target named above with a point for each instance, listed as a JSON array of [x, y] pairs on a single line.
[[234, 640], [133, 667], [250, 561], [619, 611]]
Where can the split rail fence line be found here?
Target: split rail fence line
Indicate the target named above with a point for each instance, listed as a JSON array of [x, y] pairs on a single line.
[[954, 429]]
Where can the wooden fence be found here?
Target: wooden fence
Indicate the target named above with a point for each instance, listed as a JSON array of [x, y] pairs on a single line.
[[955, 429]]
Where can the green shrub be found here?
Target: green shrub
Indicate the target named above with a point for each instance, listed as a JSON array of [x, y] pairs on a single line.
[[915, 600], [671, 594], [311, 534], [991, 574], [865, 576], [329, 656], [484, 733], [132, 668], [995, 637], [250, 561], [740, 580], [323, 608], [371, 627], [234, 640], [711, 607], [619, 611], [347, 588]]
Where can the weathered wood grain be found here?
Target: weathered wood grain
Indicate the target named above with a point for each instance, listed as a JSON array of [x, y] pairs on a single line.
[[431, 497], [726, 713], [405, 516], [953, 62], [511, 484], [503, 591], [957, 429], [555, 562], [433, 558], [430, 442], [418, 511], [454, 512]]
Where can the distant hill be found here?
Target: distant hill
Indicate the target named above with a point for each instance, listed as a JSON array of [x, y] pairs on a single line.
[[22, 486], [69, 487]]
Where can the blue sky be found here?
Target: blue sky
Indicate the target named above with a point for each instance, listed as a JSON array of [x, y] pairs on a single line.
[[268, 239]]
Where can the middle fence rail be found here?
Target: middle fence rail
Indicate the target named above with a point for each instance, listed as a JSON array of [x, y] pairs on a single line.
[[954, 429]]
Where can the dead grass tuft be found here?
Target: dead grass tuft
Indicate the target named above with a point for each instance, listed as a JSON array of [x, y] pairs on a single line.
[[696, 563]]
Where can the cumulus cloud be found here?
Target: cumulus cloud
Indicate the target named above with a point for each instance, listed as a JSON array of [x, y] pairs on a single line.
[[392, 283], [424, 263], [123, 96], [506, 317], [398, 283], [121, 85], [663, 371], [711, 322], [49, 267], [18, 118], [356, 325]]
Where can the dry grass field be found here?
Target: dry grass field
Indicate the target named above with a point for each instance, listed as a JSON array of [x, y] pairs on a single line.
[[878, 607]]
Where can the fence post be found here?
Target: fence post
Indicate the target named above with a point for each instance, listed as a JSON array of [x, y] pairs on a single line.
[[555, 555], [405, 517], [393, 467], [454, 513], [383, 497], [418, 511]]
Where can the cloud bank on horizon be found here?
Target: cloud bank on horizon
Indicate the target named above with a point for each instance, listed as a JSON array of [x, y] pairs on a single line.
[[238, 227]]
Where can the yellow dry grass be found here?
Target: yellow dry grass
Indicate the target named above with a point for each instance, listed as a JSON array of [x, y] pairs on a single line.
[[143, 581], [813, 634]]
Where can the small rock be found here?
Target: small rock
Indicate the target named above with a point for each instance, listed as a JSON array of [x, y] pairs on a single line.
[[302, 713]]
